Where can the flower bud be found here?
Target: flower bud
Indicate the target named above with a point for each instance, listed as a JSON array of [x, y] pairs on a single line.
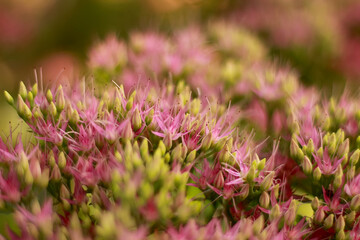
[[30, 97], [74, 117], [290, 214], [136, 120], [34, 89], [149, 117], [244, 192], [195, 106], [177, 153], [55, 173], [191, 156], [251, 174], [317, 174], [276, 190], [350, 218], [295, 151], [49, 96], [310, 147], [337, 181], [62, 160], [355, 203], [130, 103], [9, 98], [168, 141], [320, 152], [307, 166], [275, 212], [22, 91], [23, 109], [52, 109], [37, 112], [355, 157], [264, 200], [206, 142], [29, 179], [315, 204], [261, 164], [339, 223], [64, 192], [340, 235], [267, 182], [258, 224], [219, 180], [329, 221], [60, 99], [319, 216]]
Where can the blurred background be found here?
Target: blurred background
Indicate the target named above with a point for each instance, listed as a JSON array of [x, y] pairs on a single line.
[[319, 39]]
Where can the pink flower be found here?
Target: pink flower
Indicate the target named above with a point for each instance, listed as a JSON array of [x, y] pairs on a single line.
[[352, 188], [327, 165]]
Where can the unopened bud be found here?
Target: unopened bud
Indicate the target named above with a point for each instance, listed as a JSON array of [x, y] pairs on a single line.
[[22, 91], [244, 192], [290, 214], [136, 120], [319, 216], [30, 97], [191, 156], [295, 151], [264, 200], [275, 212], [341, 235], [307, 166], [355, 157], [60, 99], [355, 203], [52, 109], [9, 98], [315, 204], [62, 160], [49, 96], [267, 182], [64, 192], [343, 148], [310, 147], [130, 102], [261, 164], [329, 221], [258, 224], [251, 174], [339, 223], [34, 89], [177, 153], [74, 117], [149, 117], [276, 190], [337, 181], [23, 109], [219, 180], [350, 218], [206, 142], [317, 174]]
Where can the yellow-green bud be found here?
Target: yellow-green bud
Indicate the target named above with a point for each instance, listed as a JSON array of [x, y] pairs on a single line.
[[49, 96], [9, 98], [251, 174], [267, 182], [319, 216], [60, 99], [329, 221], [350, 218], [341, 235], [355, 203], [339, 223], [307, 166], [264, 200], [355, 157], [136, 120], [315, 204], [62, 160], [290, 214], [191, 156], [52, 109], [258, 224], [23, 109], [34, 89], [206, 142], [22, 91], [275, 212], [317, 174]]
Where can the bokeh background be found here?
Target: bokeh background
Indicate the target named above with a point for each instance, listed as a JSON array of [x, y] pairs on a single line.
[[319, 39]]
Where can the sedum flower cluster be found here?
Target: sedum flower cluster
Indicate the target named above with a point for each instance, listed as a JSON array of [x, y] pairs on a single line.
[[196, 135]]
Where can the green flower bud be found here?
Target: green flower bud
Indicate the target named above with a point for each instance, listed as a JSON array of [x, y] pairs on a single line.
[[355, 203], [195, 106], [30, 97], [295, 151], [343, 148], [310, 147], [267, 182], [350, 218], [149, 117], [23, 109], [307, 166], [177, 153], [191, 156], [136, 120], [29, 179], [55, 173], [340, 224], [315, 204], [23, 91], [317, 174], [9, 98], [52, 109], [62, 160], [337, 181], [37, 112], [251, 174], [355, 157], [264, 200], [320, 152], [206, 142], [64, 192], [258, 224], [130, 101], [49, 96], [340, 235], [329, 221], [290, 214], [34, 89], [162, 147], [275, 212], [60, 99], [244, 192], [276, 190], [261, 164]]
